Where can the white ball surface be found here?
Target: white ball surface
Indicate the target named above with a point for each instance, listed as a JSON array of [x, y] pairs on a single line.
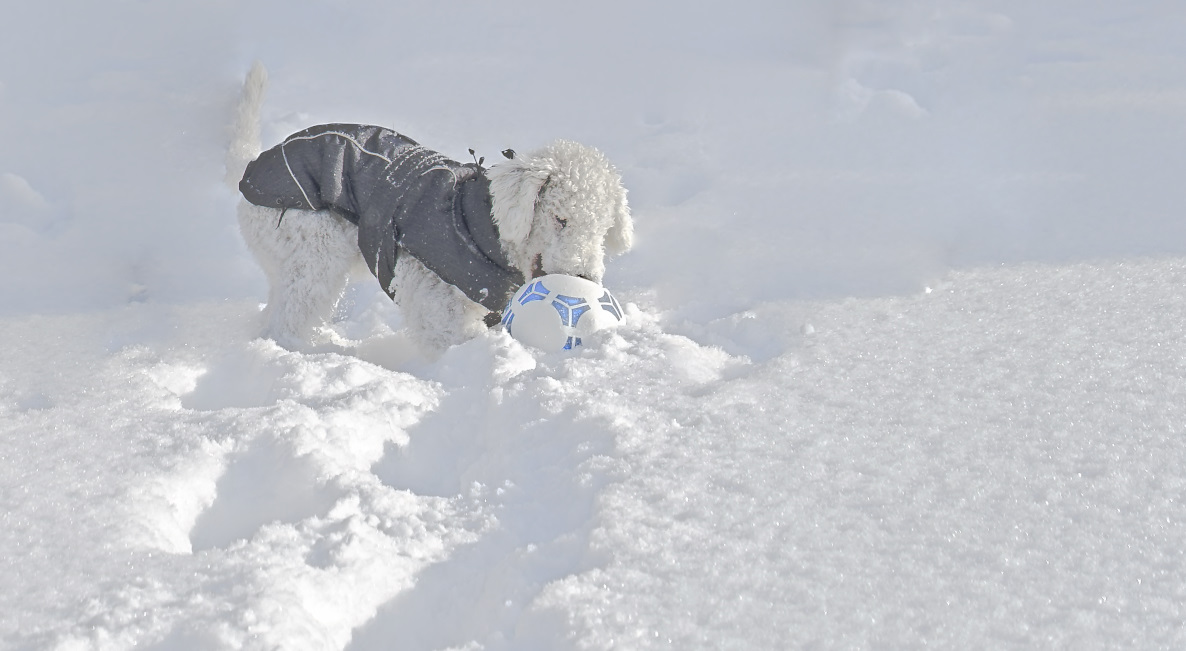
[[556, 312]]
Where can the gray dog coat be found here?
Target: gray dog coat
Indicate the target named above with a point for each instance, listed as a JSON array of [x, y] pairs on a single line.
[[403, 197]]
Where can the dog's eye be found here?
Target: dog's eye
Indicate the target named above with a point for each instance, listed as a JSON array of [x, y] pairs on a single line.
[[562, 222]]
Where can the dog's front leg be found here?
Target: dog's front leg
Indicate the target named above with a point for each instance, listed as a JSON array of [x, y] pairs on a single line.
[[436, 314]]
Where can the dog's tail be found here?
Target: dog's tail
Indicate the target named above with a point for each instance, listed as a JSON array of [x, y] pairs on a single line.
[[245, 140]]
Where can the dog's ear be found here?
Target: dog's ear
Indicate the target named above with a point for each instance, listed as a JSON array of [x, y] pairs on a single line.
[[514, 188], [620, 237]]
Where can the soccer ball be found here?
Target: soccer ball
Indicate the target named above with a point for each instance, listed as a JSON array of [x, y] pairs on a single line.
[[555, 312]]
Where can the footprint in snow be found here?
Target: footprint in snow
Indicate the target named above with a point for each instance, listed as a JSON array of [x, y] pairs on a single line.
[[265, 484]]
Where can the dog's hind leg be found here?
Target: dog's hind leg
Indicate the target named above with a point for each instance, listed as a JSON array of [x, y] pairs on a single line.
[[307, 257]]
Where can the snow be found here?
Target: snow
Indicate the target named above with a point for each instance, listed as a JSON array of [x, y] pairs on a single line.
[[903, 362]]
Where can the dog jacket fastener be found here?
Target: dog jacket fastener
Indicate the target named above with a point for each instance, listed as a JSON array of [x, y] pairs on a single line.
[[403, 197]]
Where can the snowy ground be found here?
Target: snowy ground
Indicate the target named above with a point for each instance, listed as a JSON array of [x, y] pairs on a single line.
[[904, 364], [994, 463]]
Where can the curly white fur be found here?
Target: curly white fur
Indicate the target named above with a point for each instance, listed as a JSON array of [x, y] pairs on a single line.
[[560, 209]]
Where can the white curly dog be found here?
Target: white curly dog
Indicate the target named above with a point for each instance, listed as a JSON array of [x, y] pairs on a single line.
[[560, 209]]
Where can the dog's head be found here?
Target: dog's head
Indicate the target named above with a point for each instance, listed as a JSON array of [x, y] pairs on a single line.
[[561, 210]]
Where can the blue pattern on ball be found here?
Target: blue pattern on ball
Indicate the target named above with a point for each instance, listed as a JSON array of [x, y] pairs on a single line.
[[570, 308], [535, 292], [507, 315], [610, 304]]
